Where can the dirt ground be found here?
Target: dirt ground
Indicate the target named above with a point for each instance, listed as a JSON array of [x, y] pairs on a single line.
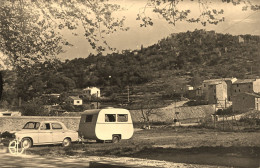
[[179, 145]]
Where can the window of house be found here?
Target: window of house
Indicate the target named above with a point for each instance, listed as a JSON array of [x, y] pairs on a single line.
[[235, 90], [56, 126], [78, 101], [110, 118], [204, 85], [238, 90], [122, 117], [237, 85], [89, 118]]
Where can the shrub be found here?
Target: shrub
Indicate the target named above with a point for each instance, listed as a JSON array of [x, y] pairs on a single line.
[[6, 134], [196, 103], [226, 111], [33, 108]]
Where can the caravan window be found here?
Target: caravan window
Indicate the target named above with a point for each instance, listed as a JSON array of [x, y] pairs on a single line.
[[110, 118], [122, 117], [89, 118]]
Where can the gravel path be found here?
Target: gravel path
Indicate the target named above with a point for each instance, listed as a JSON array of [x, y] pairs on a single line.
[[8, 160]]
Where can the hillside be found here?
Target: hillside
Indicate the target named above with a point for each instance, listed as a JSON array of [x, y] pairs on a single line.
[[158, 71]]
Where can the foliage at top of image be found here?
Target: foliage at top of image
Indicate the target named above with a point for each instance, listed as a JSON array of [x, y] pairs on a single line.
[[173, 12], [30, 30]]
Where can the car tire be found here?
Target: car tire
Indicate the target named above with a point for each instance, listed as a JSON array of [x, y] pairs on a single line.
[[115, 139], [66, 142], [26, 143]]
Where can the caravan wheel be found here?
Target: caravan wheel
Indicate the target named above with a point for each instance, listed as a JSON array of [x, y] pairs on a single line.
[[115, 139]]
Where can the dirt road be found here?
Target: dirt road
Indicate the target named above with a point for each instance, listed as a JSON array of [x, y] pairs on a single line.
[[25, 161]]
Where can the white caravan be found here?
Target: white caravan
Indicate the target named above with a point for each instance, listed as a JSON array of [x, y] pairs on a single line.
[[106, 124]]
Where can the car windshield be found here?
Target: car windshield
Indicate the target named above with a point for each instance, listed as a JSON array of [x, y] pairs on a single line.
[[31, 125]]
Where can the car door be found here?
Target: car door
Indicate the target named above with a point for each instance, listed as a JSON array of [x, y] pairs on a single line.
[[58, 132], [45, 133]]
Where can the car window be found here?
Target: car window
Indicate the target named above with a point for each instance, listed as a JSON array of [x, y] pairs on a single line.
[[110, 118], [122, 117], [31, 125], [89, 118], [56, 126], [45, 126]]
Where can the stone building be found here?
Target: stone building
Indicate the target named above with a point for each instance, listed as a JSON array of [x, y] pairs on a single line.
[[217, 93], [244, 102], [245, 85], [228, 91]]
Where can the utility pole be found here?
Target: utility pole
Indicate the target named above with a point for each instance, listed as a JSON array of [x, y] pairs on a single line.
[[128, 94], [97, 99]]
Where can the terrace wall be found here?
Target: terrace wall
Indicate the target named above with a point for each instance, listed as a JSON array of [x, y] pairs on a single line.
[[167, 115], [16, 123]]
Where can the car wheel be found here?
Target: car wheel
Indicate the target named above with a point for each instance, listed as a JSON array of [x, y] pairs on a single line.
[[115, 139], [66, 142], [26, 143]]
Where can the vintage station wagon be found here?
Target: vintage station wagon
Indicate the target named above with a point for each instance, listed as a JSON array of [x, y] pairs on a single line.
[[45, 132]]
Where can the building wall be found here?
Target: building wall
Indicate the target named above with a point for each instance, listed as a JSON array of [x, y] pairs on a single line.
[[217, 94], [243, 102], [229, 90], [77, 102], [256, 86], [241, 88], [212, 94], [92, 91], [204, 90], [95, 91], [257, 104], [221, 94]]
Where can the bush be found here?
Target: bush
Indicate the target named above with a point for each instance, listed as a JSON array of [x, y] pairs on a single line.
[[33, 108], [196, 103], [250, 121], [6, 134], [226, 111]]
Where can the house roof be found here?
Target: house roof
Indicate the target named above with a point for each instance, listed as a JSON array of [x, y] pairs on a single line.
[[254, 94], [75, 98], [244, 81], [218, 80], [90, 88], [251, 94]]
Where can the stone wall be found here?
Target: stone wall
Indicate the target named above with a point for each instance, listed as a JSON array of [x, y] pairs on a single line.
[[16, 123], [167, 115], [184, 113]]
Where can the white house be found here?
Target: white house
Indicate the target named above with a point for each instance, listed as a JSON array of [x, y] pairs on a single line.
[[76, 101], [92, 91]]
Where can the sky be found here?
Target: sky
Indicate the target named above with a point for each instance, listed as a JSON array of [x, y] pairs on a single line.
[[236, 22]]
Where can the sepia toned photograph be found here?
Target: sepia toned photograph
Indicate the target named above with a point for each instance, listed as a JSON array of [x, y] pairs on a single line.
[[129, 83]]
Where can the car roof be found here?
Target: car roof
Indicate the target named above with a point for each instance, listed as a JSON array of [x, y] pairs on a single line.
[[48, 122]]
